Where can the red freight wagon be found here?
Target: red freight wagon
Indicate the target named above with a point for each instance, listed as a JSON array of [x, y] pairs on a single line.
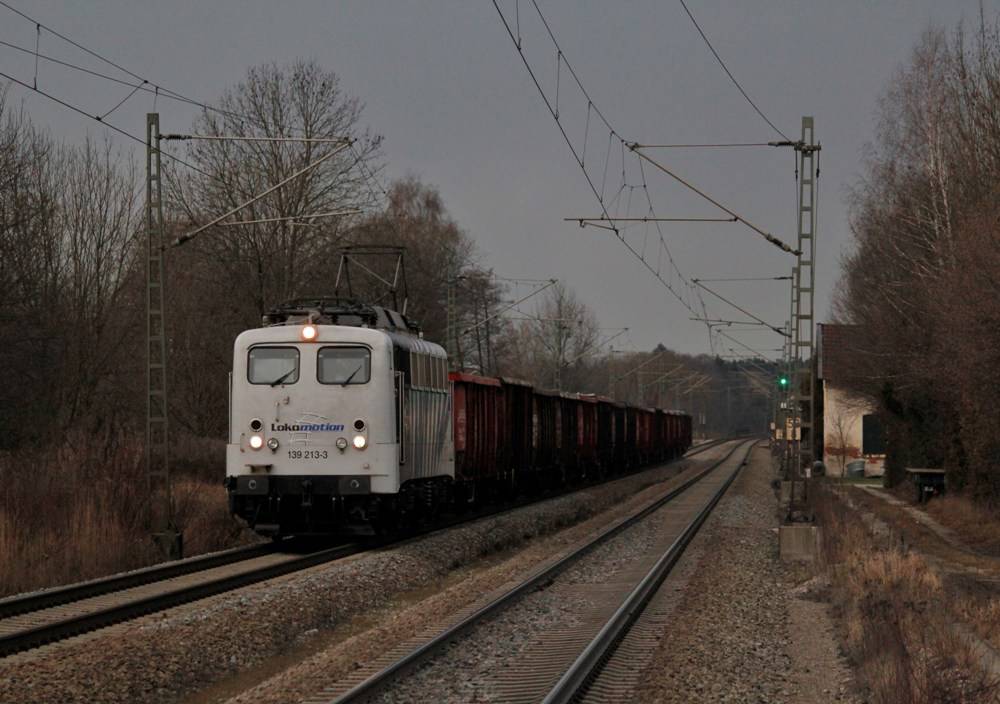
[[673, 432], [548, 440], [606, 434], [631, 436], [620, 461], [684, 423], [680, 433], [661, 437], [477, 409], [587, 433], [510, 436], [518, 430], [569, 421], [644, 434]]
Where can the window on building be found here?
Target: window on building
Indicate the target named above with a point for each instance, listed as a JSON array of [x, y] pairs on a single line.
[[872, 442]]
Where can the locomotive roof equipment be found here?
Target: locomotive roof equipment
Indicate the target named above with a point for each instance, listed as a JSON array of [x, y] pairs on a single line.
[[336, 310]]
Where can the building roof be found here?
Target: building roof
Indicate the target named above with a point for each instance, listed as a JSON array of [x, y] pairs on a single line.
[[835, 349]]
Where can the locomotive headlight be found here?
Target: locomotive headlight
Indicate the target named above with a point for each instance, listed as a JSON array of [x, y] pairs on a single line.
[[256, 442], [360, 442], [272, 444], [309, 333], [341, 444]]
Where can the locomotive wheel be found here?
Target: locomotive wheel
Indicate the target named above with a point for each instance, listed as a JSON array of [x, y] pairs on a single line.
[[385, 518], [463, 496]]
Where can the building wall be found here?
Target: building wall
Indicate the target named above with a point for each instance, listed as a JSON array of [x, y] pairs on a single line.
[[842, 432]]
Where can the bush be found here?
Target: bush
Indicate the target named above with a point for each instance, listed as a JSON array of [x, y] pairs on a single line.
[[79, 511]]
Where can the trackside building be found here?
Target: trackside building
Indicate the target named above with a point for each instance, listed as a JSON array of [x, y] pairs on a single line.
[[852, 431]]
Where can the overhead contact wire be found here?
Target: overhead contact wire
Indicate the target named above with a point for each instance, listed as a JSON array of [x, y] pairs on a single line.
[[730, 73], [159, 89], [98, 118], [612, 133], [548, 105]]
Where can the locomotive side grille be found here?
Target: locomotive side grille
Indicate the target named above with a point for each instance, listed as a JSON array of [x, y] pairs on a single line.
[[429, 413]]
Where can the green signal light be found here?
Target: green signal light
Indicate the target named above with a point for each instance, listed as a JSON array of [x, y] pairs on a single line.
[[783, 381]]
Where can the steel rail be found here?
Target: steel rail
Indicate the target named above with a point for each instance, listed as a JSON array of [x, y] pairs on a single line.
[[384, 677], [589, 663], [47, 598], [707, 445], [60, 630]]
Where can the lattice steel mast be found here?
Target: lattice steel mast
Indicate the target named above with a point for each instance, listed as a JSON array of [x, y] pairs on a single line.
[[803, 384], [157, 455]]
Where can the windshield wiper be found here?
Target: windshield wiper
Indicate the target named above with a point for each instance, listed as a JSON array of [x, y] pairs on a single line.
[[283, 377], [348, 379]]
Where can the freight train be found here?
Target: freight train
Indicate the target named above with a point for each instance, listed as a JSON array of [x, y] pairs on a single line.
[[343, 419]]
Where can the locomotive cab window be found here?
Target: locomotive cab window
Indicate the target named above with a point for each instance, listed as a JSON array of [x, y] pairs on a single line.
[[273, 365], [344, 365]]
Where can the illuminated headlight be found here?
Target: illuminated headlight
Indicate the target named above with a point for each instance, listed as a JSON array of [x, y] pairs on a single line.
[[256, 442], [360, 442], [309, 333], [341, 444], [272, 444]]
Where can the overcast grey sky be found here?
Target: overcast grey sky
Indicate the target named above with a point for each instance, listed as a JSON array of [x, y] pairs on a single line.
[[443, 83]]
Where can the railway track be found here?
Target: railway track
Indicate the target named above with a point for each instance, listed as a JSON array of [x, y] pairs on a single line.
[[36, 601], [707, 445], [36, 619], [591, 661], [547, 664]]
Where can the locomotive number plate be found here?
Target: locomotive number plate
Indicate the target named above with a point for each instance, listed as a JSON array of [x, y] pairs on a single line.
[[308, 454]]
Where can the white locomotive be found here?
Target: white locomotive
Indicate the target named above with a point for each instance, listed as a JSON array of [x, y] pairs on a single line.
[[339, 420]]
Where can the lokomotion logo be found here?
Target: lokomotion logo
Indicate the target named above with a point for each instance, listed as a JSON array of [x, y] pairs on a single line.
[[307, 427]]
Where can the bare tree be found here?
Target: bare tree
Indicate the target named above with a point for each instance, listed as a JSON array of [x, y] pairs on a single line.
[[437, 250], [100, 225], [554, 347], [29, 275], [842, 424], [920, 281], [266, 262], [69, 220]]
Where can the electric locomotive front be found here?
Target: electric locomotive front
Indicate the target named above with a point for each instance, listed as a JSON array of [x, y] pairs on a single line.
[[318, 420]]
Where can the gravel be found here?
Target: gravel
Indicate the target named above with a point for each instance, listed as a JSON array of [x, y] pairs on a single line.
[[734, 634], [166, 656]]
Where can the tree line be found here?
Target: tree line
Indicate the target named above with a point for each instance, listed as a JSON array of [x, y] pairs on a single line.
[[921, 279], [72, 252]]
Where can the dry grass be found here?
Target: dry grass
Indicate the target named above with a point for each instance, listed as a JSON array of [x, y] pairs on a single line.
[[897, 617], [984, 614], [977, 525], [203, 514], [79, 512]]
